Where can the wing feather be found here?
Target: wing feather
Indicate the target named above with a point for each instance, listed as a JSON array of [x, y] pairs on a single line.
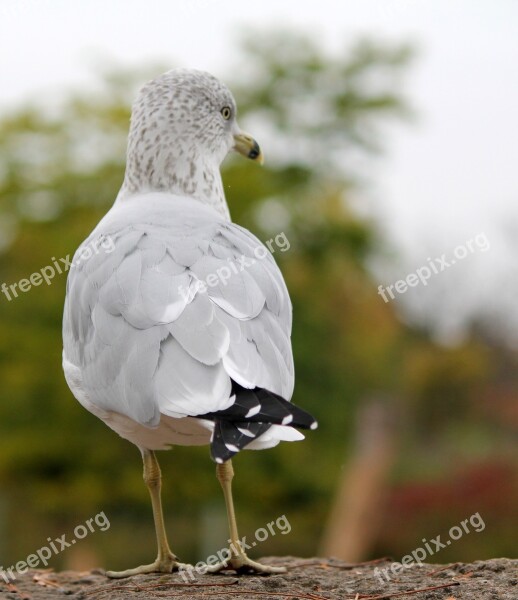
[[162, 322]]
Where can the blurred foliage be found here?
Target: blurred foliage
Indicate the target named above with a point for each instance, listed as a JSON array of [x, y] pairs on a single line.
[[60, 169]]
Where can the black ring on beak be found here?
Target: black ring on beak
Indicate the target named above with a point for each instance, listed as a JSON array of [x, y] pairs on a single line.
[[255, 151]]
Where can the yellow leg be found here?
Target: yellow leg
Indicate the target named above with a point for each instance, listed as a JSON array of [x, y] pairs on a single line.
[[238, 560], [166, 561]]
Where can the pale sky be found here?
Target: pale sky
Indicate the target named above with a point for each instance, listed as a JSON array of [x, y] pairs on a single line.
[[444, 179]]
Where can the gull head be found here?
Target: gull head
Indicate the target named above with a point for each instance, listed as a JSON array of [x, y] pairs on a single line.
[[183, 124]]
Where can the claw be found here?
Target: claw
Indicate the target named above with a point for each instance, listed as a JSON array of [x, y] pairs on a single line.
[[168, 564], [243, 564]]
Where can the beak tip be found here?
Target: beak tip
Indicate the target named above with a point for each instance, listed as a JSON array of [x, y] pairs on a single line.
[[255, 153], [247, 146]]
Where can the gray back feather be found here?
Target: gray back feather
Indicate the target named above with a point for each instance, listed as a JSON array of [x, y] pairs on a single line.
[[149, 337]]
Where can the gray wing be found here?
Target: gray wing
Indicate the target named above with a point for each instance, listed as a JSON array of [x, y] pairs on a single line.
[[179, 302]]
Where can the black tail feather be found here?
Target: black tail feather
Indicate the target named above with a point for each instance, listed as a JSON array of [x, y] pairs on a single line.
[[229, 437], [253, 412]]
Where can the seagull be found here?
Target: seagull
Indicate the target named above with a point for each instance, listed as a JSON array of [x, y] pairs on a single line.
[[177, 321]]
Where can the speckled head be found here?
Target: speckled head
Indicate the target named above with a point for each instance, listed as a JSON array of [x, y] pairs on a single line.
[[183, 124]]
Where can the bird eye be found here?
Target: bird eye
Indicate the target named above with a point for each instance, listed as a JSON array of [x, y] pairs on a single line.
[[226, 111]]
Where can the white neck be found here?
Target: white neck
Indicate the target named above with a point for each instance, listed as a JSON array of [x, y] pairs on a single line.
[[161, 167]]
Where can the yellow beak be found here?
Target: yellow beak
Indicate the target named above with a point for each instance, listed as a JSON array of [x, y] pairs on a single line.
[[247, 146]]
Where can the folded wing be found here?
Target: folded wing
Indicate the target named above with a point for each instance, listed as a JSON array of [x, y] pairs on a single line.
[[172, 305]]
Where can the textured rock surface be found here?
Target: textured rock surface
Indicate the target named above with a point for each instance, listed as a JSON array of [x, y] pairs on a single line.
[[311, 579]]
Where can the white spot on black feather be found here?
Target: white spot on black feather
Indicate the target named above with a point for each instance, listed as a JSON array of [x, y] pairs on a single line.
[[246, 432], [253, 411], [232, 448]]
